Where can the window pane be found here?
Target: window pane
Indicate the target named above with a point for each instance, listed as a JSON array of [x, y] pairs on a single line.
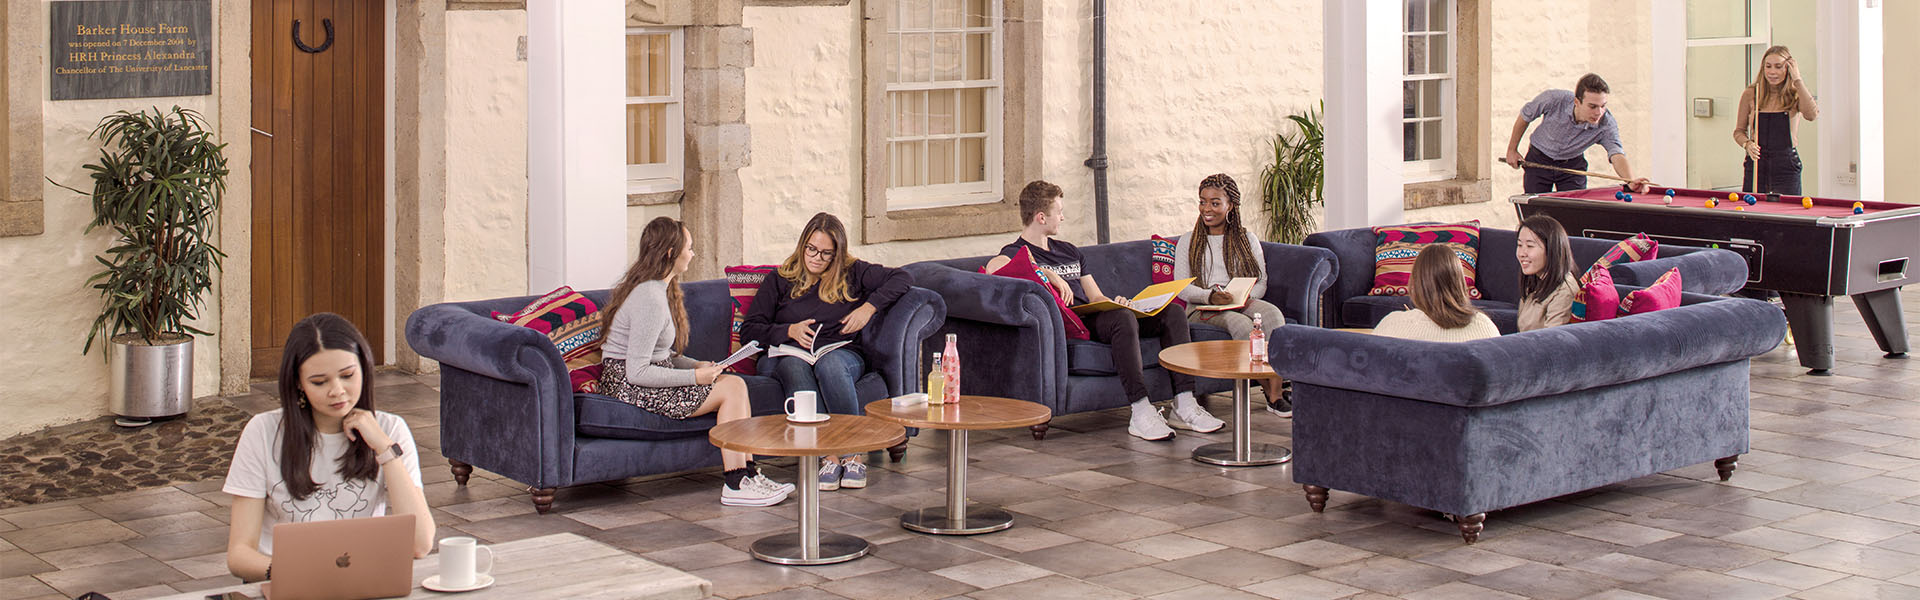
[[979, 13], [906, 164], [940, 112], [1416, 54], [973, 109], [916, 57], [892, 52], [1437, 53], [946, 56], [914, 14], [1718, 19], [980, 56], [648, 66], [1416, 15], [946, 13], [1430, 98], [1438, 19], [1410, 99], [646, 139], [973, 160], [1409, 132], [909, 114], [940, 160], [1430, 140]]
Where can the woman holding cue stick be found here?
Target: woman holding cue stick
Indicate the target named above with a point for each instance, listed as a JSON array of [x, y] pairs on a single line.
[[1766, 111]]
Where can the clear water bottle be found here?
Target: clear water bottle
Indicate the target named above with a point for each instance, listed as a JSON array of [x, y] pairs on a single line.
[[937, 382], [951, 361], [1258, 340]]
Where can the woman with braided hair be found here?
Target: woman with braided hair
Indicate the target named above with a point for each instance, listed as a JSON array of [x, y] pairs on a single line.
[[1218, 250]]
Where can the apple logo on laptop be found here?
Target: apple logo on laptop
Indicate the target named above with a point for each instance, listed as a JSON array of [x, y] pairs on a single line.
[[344, 561]]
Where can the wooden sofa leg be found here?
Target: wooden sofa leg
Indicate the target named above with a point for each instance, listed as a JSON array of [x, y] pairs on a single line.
[[1726, 466], [542, 499], [1316, 497], [1471, 525], [461, 471], [1040, 431], [898, 450]]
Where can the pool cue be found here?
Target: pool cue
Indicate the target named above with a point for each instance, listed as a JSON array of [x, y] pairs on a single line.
[[1525, 163], [1753, 174]]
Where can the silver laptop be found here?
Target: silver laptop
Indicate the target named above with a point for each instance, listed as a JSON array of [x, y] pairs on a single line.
[[346, 559]]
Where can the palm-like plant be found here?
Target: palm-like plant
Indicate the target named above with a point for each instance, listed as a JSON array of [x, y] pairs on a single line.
[[1293, 183], [157, 185]]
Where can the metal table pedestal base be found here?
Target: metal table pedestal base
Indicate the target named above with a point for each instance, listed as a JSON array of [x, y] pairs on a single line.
[[1242, 452], [979, 519], [786, 549]]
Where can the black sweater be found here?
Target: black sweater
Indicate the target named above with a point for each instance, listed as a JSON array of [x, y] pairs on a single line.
[[774, 307]]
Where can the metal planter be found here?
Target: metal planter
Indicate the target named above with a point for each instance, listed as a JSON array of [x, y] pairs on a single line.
[[149, 381]]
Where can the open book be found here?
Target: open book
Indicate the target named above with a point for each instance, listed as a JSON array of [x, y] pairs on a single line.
[[746, 351], [1240, 288], [803, 354], [1147, 303]]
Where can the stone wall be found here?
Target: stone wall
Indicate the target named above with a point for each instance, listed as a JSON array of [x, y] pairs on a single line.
[[486, 223]]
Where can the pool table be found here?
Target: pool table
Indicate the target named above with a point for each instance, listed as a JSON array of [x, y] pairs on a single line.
[[1808, 254]]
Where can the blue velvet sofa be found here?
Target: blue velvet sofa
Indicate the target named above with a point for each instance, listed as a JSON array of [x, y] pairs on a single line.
[[506, 405], [1011, 329], [1704, 271], [1468, 428]]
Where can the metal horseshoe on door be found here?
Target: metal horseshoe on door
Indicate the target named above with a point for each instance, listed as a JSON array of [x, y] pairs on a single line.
[[324, 23]]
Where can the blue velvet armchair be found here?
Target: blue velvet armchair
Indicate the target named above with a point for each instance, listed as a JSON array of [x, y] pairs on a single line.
[[1472, 427], [506, 405], [1703, 271], [1011, 328]]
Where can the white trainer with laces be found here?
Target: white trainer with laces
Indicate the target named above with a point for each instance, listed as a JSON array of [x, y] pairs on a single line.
[[762, 480], [751, 493], [1195, 419], [1149, 425]]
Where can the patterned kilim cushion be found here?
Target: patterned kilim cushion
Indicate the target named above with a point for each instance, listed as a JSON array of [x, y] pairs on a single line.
[[1636, 248], [742, 283], [1163, 262], [572, 322], [1397, 246]]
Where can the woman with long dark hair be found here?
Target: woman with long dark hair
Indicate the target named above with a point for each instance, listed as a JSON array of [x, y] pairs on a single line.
[[646, 331], [822, 295], [325, 454], [1217, 251], [1441, 312], [1546, 273], [1764, 126]]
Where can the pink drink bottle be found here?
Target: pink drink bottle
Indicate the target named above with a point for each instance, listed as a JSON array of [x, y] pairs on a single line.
[[951, 362], [1258, 340]]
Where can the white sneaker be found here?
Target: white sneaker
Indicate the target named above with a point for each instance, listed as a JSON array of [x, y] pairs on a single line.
[[1195, 419], [1149, 425], [751, 494], [763, 481]]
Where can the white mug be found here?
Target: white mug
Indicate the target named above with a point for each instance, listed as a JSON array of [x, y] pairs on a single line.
[[804, 405], [457, 561]]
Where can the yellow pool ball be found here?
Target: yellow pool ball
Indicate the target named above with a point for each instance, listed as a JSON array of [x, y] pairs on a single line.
[[1858, 206], [1732, 197], [1740, 208], [1711, 203], [1806, 202]]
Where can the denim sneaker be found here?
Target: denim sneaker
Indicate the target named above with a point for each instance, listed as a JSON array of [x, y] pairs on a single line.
[[853, 475], [829, 476]]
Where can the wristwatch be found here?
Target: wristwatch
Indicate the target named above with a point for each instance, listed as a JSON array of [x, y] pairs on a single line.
[[392, 452]]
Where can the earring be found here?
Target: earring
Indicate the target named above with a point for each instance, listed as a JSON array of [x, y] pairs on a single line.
[[303, 402]]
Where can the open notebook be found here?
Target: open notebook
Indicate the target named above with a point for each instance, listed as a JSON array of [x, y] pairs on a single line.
[[1147, 303]]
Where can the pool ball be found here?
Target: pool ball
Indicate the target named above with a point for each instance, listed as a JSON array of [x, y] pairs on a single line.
[[1751, 200], [1740, 208], [1806, 202], [1733, 197], [1626, 197], [1712, 203], [1859, 208]]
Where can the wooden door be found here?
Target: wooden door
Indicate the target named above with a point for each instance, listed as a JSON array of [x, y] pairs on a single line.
[[319, 169]]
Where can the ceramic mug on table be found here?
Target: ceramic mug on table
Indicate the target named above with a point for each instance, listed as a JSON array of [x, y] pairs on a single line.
[[803, 406], [457, 562]]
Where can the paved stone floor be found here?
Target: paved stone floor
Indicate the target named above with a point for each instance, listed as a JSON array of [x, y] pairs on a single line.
[[1827, 505]]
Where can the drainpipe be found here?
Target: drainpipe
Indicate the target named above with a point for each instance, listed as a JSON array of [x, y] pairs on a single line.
[[1099, 159]]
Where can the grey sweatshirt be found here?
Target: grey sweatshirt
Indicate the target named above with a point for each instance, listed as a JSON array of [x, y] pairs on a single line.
[[642, 334], [1198, 292]]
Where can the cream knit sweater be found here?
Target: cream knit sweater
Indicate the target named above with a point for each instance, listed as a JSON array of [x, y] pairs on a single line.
[[1414, 325]]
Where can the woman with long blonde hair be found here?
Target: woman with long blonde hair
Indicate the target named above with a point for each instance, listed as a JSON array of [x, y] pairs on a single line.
[[646, 331], [822, 296], [1764, 126]]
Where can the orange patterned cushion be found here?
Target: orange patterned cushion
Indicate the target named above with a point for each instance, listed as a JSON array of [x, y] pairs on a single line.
[[1398, 245]]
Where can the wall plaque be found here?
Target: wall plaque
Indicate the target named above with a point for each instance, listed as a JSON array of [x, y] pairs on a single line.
[[130, 48]]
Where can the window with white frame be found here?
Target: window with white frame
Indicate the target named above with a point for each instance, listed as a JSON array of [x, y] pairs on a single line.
[[944, 102], [1427, 120], [656, 145]]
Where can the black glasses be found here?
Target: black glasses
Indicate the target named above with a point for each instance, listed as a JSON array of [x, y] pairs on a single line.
[[813, 252]]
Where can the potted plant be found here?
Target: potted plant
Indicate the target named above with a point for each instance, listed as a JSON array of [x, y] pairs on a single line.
[[1293, 183], [157, 185]]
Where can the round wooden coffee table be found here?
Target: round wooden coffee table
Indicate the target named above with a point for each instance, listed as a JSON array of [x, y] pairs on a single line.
[[772, 435], [972, 412], [1228, 359]]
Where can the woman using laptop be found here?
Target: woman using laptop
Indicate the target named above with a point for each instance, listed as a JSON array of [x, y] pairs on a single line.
[[325, 454]]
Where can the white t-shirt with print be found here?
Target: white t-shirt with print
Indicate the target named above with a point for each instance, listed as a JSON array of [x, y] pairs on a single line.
[[256, 474]]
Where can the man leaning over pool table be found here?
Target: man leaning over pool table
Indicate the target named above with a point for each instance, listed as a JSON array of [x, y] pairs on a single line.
[[1570, 122]]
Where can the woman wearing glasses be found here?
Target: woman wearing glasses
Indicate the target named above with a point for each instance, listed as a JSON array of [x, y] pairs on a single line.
[[823, 296]]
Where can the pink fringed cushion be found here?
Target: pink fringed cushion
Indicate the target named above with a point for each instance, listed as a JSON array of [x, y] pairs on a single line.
[[1662, 295], [1597, 299], [1021, 267]]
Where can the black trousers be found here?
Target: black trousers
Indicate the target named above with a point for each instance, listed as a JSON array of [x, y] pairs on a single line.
[[1119, 329], [1777, 174], [1540, 181]]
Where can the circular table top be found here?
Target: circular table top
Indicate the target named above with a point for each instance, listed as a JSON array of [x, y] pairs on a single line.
[[1223, 359], [972, 412], [772, 435]]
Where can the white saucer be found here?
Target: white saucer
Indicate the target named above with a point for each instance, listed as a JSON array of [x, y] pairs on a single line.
[[479, 582], [821, 418]]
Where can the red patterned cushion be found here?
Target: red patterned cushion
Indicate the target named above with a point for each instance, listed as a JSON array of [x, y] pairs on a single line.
[[1163, 262], [1397, 246], [1662, 295], [572, 322], [1021, 267], [1597, 300], [742, 283]]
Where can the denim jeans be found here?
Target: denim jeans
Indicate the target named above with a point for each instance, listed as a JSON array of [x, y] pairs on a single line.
[[832, 377]]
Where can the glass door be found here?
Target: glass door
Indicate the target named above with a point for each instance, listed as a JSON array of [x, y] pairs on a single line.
[[1725, 42]]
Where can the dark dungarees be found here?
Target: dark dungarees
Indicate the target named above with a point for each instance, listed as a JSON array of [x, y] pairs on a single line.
[[1779, 161]]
